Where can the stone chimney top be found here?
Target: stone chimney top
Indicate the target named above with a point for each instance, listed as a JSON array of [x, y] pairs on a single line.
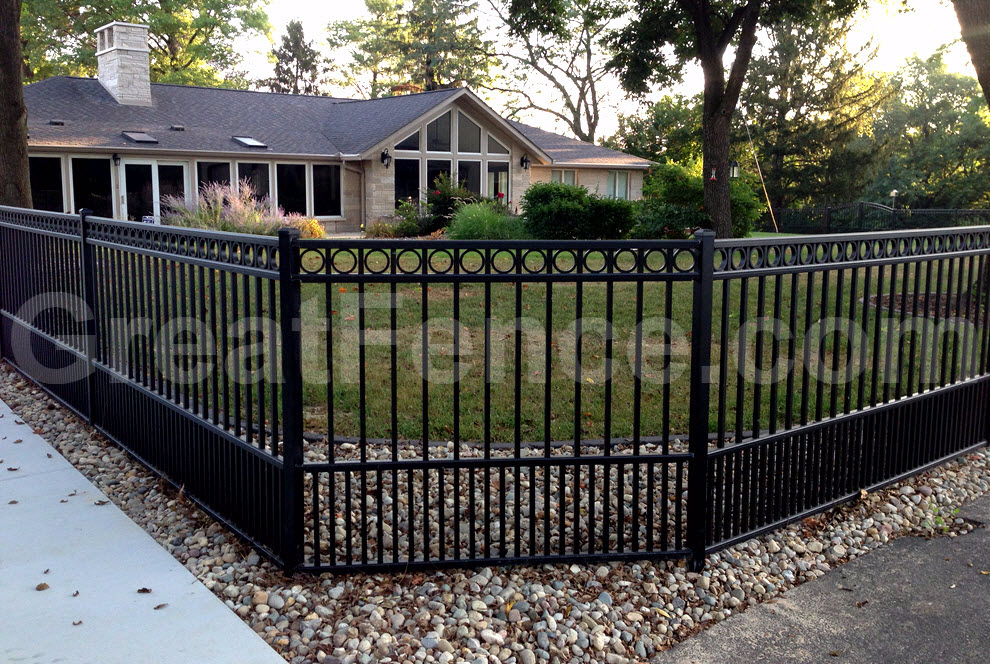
[[122, 59]]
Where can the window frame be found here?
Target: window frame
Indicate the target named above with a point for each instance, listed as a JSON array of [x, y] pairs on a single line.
[[311, 191], [614, 173], [66, 176], [307, 186], [114, 182], [237, 179]]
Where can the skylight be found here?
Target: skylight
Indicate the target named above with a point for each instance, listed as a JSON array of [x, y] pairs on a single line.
[[249, 142], [139, 137]]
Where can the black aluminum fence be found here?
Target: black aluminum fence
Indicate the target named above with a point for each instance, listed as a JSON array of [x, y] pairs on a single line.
[[869, 217], [385, 405]]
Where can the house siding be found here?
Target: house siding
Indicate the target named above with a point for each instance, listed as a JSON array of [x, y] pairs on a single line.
[[594, 179]]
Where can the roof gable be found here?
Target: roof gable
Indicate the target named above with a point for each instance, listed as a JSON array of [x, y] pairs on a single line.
[[566, 151]]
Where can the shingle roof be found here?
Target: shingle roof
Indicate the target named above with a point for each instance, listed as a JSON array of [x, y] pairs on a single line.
[[568, 151], [286, 124]]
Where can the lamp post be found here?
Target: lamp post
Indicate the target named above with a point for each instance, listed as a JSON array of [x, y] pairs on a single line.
[[734, 169], [893, 198]]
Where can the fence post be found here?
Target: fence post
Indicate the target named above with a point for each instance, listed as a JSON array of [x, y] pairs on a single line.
[[859, 217], [701, 345], [828, 219], [87, 271], [292, 419]]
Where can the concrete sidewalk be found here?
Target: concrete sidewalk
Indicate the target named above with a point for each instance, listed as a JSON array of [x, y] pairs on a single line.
[[916, 600], [52, 519]]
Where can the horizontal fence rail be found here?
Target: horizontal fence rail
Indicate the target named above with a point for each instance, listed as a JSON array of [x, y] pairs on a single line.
[[384, 405], [868, 217]]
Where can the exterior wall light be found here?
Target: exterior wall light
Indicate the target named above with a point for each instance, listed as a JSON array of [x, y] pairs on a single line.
[[524, 162], [386, 157], [734, 170]]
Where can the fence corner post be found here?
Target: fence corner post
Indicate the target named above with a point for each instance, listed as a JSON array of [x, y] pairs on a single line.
[[292, 419], [87, 277], [701, 345]]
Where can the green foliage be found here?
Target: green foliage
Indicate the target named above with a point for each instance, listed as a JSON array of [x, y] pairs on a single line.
[[557, 211], [191, 41], [937, 134], [422, 45], [298, 65], [485, 221], [810, 108], [668, 130], [656, 220], [676, 185], [221, 208], [443, 198]]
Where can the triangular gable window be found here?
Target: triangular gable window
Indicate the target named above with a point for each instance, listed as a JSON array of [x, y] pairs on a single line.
[[495, 147], [409, 142]]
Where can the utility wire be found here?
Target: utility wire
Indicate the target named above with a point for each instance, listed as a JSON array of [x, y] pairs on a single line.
[[759, 170]]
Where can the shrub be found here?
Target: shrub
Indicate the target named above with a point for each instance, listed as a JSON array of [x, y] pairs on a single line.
[[442, 201], [685, 187], [380, 229], [485, 221], [656, 220], [221, 208], [556, 211]]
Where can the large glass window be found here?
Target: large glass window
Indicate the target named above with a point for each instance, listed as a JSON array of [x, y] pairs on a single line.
[[469, 176], [171, 181], [434, 169], [291, 181], [326, 190], [498, 179], [406, 180], [617, 184], [92, 186], [468, 135], [438, 134], [495, 147], [567, 177], [139, 190], [257, 176], [212, 172], [409, 143], [46, 183]]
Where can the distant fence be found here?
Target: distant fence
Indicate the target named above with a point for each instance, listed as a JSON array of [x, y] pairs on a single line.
[[866, 217], [479, 403]]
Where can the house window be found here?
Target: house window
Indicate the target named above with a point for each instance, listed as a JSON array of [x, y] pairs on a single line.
[[469, 176], [326, 190], [46, 183], [92, 186], [290, 180], [495, 147], [438, 134], [434, 169], [212, 172], [468, 135], [409, 143], [567, 177], [617, 184], [172, 182], [257, 176], [406, 180], [498, 179]]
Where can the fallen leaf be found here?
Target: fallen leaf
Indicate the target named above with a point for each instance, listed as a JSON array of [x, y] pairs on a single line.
[[144, 591], [663, 613], [18, 422], [41, 586], [76, 623], [38, 431], [161, 606], [13, 469], [49, 456], [14, 502], [48, 570], [860, 604], [984, 572], [18, 441], [75, 594], [63, 501], [101, 502]]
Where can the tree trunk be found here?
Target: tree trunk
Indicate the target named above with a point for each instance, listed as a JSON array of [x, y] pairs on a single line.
[[715, 152], [15, 186], [974, 20]]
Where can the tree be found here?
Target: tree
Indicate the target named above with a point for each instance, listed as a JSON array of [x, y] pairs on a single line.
[[554, 75], [662, 36], [191, 41], [298, 65], [427, 45], [938, 132], [974, 20], [808, 100], [667, 131], [15, 187]]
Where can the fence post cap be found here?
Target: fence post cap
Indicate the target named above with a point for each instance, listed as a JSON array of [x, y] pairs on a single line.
[[288, 231]]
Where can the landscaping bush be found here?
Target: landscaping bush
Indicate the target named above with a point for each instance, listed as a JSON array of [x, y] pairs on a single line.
[[442, 201], [485, 221], [684, 186], [221, 208], [656, 220], [556, 211]]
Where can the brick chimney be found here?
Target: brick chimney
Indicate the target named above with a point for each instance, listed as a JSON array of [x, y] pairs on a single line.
[[122, 62]]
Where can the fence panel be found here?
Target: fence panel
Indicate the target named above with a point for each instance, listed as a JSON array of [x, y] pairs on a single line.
[[496, 402], [845, 362]]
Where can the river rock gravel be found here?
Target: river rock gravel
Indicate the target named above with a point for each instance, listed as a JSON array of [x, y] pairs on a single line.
[[594, 613]]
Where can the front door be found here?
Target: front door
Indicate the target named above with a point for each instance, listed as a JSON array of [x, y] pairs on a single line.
[[146, 183]]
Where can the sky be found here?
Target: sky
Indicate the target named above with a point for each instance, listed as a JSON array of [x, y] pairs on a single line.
[[899, 35]]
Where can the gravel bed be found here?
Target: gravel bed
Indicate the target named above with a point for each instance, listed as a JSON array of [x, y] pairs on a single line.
[[566, 613]]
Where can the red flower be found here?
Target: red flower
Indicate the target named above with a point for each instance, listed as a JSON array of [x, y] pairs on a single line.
[[437, 192], [500, 195]]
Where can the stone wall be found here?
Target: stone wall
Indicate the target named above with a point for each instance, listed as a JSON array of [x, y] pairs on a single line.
[[123, 66]]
